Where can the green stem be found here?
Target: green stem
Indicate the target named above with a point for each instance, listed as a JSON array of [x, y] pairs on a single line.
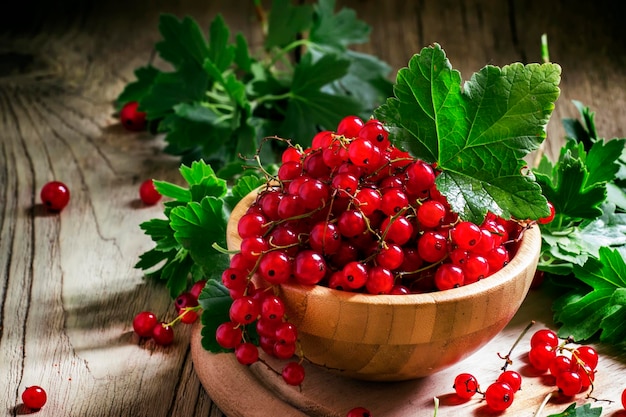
[[272, 97], [281, 53], [545, 54]]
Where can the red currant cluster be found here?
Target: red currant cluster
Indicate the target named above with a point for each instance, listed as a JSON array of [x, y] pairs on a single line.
[[147, 325], [499, 395], [573, 368], [354, 213]]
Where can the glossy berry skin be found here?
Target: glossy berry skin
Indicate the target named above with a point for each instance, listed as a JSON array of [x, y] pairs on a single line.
[[162, 334], [624, 398], [569, 383], [544, 337], [465, 385], [549, 217], [499, 396], [512, 378], [293, 373], [148, 193], [143, 323], [34, 397], [359, 412], [350, 126], [55, 195], [588, 355], [133, 119]]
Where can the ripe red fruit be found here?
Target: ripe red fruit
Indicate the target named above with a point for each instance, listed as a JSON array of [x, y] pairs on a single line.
[[359, 412], [293, 373], [499, 396], [132, 118], [549, 217], [163, 334], [143, 323], [55, 195], [34, 397], [148, 193], [465, 385], [624, 398]]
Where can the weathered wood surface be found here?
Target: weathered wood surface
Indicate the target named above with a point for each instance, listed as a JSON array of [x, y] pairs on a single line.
[[69, 290]]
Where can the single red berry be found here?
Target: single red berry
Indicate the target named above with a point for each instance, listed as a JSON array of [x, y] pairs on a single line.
[[569, 383], [544, 337], [55, 195], [34, 397], [549, 217], [499, 396], [293, 373], [624, 398], [513, 378], [350, 126], [148, 193], [197, 288], [359, 412], [132, 118], [143, 323], [228, 335], [465, 385], [588, 355], [163, 334], [246, 353]]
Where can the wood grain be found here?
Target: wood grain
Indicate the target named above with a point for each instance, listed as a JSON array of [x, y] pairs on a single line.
[[69, 289]]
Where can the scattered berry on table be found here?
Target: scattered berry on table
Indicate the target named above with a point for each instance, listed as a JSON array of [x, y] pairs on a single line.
[[143, 323], [163, 334], [34, 397], [132, 118], [359, 412], [148, 193], [55, 195]]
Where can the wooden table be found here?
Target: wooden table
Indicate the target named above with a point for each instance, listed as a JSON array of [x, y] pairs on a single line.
[[69, 290]]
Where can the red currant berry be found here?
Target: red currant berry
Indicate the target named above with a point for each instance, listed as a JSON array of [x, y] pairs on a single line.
[[397, 230], [228, 335], [293, 373], [379, 281], [55, 195], [350, 126], [143, 323], [588, 355], [449, 276], [420, 178], [465, 385], [246, 353], [284, 350], [569, 383], [286, 333], [375, 132], [275, 267], [499, 396], [322, 139], [559, 364], [291, 154], [197, 288], [359, 412], [466, 235], [272, 308], [624, 398], [368, 200], [432, 246], [512, 378], [132, 118], [148, 193], [34, 397], [355, 275], [351, 223], [549, 217], [310, 267], [244, 310], [361, 152], [163, 334], [431, 213], [544, 337], [541, 356], [390, 256]]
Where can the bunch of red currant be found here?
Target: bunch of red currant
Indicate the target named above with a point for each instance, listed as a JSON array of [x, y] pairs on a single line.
[[147, 325], [354, 213], [573, 369]]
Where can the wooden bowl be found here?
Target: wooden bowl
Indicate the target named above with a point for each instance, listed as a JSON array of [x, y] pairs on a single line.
[[401, 337]]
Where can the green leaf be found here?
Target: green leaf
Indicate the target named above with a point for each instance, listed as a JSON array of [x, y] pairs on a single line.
[[176, 272], [136, 90], [215, 301], [243, 187], [242, 53], [339, 29], [161, 233], [309, 106], [569, 191], [183, 43], [584, 410], [601, 160], [170, 89], [202, 181], [584, 314], [220, 52], [477, 133], [197, 226], [286, 22]]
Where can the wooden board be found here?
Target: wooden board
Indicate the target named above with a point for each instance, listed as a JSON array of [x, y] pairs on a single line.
[[257, 391]]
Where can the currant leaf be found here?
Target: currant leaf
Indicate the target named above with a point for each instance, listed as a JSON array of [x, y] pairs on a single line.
[[137, 89], [584, 410], [584, 314], [477, 134], [286, 21], [183, 42], [215, 302], [309, 105], [339, 29]]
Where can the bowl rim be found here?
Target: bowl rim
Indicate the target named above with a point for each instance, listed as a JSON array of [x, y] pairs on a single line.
[[526, 254]]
